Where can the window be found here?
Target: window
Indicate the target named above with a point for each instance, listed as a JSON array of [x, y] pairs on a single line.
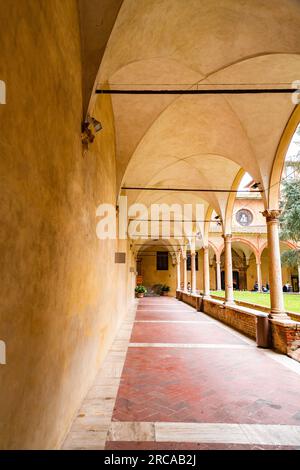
[[188, 261], [139, 266], [162, 260]]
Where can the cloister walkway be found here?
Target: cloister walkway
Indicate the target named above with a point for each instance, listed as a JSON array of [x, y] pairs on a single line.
[[188, 382]]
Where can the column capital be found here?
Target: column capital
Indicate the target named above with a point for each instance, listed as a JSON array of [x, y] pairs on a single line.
[[272, 215], [227, 237]]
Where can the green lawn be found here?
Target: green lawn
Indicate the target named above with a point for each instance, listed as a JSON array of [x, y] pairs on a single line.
[[291, 301]]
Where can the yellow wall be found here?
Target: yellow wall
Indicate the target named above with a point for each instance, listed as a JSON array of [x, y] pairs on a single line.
[[199, 274], [255, 206], [286, 271], [252, 273], [59, 311], [150, 274]]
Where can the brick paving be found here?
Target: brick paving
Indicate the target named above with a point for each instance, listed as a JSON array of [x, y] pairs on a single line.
[[182, 333], [171, 315], [210, 385], [130, 445]]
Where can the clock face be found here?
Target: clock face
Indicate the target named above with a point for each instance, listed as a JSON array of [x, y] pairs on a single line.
[[244, 217]]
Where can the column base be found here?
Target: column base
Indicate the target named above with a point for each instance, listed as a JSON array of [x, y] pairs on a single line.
[[279, 316], [206, 296], [229, 303]]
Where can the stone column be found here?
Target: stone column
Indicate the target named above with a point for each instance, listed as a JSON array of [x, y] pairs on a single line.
[[243, 278], [275, 276], [178, 267], [218, 268], [184, 272], [206, 283], [193, 272], [258, 275], [229, 299]]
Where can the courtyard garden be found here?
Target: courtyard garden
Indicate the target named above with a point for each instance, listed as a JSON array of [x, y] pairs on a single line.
[[291, 301]]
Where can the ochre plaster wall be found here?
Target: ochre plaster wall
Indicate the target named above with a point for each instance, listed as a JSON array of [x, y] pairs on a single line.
[[252, 273], [286, 271], [150, 274], [59, 311], [255, 206]]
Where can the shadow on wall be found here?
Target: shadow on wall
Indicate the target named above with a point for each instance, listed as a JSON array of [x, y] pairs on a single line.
[[58, 314]]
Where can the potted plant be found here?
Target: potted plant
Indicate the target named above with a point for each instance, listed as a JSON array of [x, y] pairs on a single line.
[[140, 291], [165, 289], [157, 289]]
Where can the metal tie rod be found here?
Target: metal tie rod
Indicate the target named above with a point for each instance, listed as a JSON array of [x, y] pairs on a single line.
[[201, 190], [216, 91]]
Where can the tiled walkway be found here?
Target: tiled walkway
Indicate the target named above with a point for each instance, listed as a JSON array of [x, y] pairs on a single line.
[[189, 382]]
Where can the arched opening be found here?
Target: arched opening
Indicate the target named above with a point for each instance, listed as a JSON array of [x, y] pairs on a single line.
[[290, 275], [292, 158], [156, 265], [285, 151], [243, 265], [289, 204]]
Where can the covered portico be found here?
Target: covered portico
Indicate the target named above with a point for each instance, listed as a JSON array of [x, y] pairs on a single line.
[[155, 109]]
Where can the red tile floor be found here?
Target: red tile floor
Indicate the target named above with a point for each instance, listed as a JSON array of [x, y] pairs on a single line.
[[200, 372]]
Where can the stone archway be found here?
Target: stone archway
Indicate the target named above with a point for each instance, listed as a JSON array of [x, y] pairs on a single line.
[[289, 275], [244, 256], [239, 270]]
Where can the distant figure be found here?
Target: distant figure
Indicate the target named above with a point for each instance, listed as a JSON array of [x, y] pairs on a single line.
[[255, 287], [285, 288], [265, 289], [188, 286], [267, 286]]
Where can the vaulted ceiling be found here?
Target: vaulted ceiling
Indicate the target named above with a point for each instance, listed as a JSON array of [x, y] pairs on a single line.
[[195, 141]]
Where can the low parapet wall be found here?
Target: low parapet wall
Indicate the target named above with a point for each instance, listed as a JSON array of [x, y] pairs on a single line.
[[283, 335], [286, 337], [232, 316], [293, 315], [194, 300]]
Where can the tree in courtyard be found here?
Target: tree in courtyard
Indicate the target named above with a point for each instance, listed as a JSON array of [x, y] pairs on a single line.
[[290, 205]]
